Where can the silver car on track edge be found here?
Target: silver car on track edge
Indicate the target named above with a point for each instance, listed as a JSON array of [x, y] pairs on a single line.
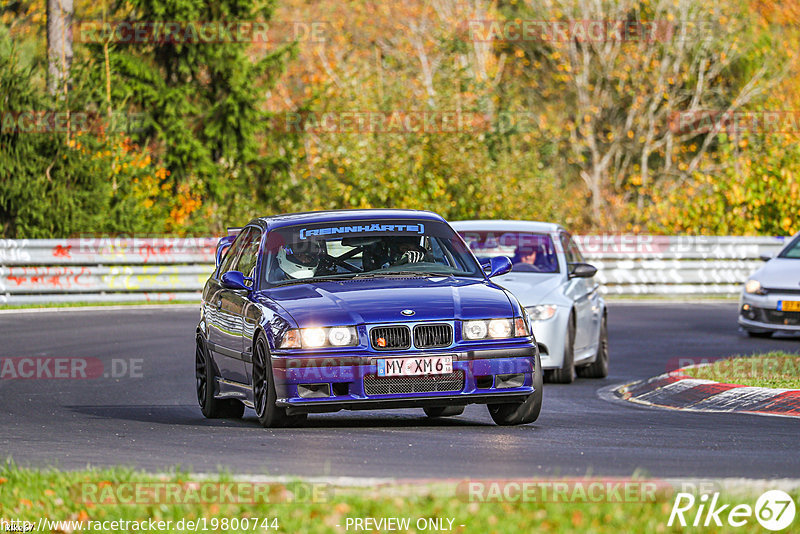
[[770, 300], [556, 287]]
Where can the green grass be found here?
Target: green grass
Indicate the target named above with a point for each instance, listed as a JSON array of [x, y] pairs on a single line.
[[29, 494], [87, 304], [771, 370]]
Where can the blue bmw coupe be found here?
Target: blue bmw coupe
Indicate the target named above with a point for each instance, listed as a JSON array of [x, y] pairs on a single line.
[[361, 309]]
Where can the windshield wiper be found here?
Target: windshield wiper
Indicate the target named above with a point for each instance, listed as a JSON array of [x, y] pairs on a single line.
[[382, 274], [364, 276]]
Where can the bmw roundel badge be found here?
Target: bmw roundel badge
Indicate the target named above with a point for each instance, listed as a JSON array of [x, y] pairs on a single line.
[[408, 313]]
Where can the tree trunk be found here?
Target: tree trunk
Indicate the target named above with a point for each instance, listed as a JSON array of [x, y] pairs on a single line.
[[59, 43]]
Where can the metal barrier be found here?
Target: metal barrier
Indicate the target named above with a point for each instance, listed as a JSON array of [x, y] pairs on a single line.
[[96, 269]]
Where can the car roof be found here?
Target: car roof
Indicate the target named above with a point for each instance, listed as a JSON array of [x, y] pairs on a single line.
[[507, 225], [289, 219]]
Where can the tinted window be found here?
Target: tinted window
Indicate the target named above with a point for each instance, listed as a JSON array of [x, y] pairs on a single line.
[[233, 252], [569, 251], [346, 249], [246, 263], [529, 252], [792, 251], [575, 251]]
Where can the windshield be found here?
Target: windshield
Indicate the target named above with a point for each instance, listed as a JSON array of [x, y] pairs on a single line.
[[366, 248], [529, 252], [792, 251]]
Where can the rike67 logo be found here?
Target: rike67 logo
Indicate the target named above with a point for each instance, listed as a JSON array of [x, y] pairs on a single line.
[[774, 510]]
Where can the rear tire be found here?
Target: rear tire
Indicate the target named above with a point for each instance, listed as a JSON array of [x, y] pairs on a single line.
[[521, 413], [264, 396], [599, 367], [443, 411], [205, 382], [566, 374]]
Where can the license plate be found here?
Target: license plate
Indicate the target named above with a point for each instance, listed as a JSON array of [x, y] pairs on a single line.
[[428, 365], [789, 305]]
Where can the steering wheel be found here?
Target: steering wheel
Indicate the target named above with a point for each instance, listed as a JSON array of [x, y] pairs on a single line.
[[328, 263]]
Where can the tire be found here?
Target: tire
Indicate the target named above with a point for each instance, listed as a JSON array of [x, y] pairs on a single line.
[[264, 396], [443, 411], [205, 382], [766, 334], [566, 374], [525, 412], [599, 367]]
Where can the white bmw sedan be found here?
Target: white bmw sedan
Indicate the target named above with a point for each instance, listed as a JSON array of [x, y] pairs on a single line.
[[556, 287], [770, 300]]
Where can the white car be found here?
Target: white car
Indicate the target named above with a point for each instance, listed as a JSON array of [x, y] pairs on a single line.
[[770, 300], [556, 287]]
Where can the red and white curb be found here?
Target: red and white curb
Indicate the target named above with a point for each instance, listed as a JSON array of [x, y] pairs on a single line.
[[678, 391]]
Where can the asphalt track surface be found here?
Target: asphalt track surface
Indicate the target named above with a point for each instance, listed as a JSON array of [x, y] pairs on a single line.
[[152, 421]]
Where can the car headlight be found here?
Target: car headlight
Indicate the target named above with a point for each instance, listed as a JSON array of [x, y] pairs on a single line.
[[314, 338], [753, 287], [494, 329], [542, 312]]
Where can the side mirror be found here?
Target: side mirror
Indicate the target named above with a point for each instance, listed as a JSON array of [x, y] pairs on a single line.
[[499, 265], [581, 270], [765, 257], [222, 247], [236, 280]]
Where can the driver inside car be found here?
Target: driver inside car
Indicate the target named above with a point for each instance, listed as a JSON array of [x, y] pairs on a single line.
[[299, 260], [392, 251], [408, 250]]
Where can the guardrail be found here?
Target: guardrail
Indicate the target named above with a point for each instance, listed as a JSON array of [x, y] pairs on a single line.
[[166, 269]]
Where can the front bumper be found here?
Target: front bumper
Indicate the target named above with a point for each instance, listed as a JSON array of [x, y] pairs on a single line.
[[343, 377], [551, 335], [760, 313]]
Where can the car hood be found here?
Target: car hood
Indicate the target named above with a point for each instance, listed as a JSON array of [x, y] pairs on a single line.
[[530, 288], [781, 273], [381, 300]]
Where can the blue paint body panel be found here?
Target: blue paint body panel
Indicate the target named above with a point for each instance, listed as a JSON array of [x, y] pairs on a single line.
[[232, 319]]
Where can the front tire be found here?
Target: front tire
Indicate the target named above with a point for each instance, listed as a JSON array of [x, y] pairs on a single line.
[[205, 384], [264, 396], [443, 411], [521, 413], [599, 367], [759, 334], [566, 374]]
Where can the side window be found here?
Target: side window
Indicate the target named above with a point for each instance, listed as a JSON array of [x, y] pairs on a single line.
[[247, 259], [233, 252], [576, 252], [569, 251]]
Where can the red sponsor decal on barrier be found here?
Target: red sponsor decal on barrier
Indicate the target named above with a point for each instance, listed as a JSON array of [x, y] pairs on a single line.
[[49, 276]]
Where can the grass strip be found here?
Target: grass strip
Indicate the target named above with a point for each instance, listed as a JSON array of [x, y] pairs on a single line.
[[770, 370]]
